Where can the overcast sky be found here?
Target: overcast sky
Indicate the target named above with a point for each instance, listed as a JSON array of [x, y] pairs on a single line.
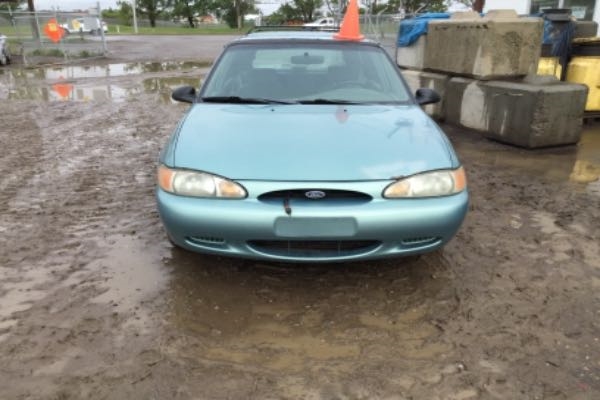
[[73, 4]]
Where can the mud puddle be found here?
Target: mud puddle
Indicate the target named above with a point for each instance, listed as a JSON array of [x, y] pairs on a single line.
[[100, 71], [292, 318], [578, 163], [111, 82]]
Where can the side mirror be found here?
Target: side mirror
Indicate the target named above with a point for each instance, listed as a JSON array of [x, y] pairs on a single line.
[[186, 94], [427, 96]]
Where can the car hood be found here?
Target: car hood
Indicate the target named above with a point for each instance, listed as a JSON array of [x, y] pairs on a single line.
[[309, 142]]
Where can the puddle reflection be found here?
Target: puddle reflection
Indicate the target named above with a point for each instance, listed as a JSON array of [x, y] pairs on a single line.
[[587, 165], [65, 91], [577, 164], [99, 71], [81, 83]]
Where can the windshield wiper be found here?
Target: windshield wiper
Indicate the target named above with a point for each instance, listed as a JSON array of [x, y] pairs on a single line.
[[328, 101], [243, 100]]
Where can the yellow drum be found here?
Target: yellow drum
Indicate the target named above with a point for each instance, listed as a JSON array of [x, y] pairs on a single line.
[[585, 68], [549, 66]]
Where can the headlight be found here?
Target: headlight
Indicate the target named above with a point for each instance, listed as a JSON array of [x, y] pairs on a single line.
[[429, 184], [198, 184]]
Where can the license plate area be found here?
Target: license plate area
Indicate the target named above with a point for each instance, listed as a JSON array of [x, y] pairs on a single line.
[[290, 227]]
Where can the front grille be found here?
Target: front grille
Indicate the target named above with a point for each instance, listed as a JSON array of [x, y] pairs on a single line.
[[330, 194], [314, 248]]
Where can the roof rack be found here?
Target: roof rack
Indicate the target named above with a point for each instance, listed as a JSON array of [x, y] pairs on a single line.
[[293, 28]]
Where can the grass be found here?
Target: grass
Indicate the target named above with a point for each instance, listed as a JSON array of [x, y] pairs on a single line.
[[176, 30], [47, 53]]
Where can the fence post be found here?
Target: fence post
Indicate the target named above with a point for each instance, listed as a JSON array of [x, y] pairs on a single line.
[[60, 42], [104, 49], [37, 32]]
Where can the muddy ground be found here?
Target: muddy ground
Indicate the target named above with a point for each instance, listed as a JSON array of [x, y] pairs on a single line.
[[95, 303]]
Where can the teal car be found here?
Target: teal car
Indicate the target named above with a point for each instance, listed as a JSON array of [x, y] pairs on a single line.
[[304, 148]]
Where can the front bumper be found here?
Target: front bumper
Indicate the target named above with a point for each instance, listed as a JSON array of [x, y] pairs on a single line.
[[315, 231]]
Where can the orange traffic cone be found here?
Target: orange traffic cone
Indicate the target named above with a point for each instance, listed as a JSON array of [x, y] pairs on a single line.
[[350, 29]]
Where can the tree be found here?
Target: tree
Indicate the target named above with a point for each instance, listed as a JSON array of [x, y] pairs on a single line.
[[304, 10], [152, 9], [233, 11], [416, 6], [284, 13], [5, 5], [476, 5], [125, 12], [188, 9], [185, 9], [307, 9]]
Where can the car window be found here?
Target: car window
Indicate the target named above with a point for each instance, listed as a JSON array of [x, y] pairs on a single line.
[[307, 71]]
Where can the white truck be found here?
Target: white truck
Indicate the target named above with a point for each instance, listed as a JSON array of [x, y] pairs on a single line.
[[327, 22]]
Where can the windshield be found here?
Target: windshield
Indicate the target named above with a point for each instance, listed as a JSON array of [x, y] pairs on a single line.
[[307, 73]]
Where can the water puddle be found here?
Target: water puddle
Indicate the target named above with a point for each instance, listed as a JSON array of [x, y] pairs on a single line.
[[587, 165], [129, 273], [125, 278], [290, 318], [99, 71], [91, 83], [578, 164], [101, 92]]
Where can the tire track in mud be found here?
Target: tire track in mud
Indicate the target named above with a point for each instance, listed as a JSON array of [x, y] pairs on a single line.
[[21, 150], [77, 176], [69, 176]]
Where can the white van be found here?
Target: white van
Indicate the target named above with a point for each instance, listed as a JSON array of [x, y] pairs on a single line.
[[86, 25]]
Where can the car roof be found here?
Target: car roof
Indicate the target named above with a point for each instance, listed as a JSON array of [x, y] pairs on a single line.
[[294, 34]]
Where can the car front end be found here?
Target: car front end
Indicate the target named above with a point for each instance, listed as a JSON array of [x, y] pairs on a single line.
[[284, 156], [279, 221]]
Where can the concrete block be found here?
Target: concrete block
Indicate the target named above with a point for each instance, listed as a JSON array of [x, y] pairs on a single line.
[[465, 15], [437, 82], [502, 14], [412, 56], [488, 48], [536, 112], [585, 29]]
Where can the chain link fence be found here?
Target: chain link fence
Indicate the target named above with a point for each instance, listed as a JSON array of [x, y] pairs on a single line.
[[83, 36], [382, 28]]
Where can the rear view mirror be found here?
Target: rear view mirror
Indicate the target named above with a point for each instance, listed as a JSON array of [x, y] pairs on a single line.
[[427, 96], [186, 94], [307, 59]]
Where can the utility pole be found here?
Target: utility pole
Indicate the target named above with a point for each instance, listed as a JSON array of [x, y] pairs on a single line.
[[35, 27], [135, 27]]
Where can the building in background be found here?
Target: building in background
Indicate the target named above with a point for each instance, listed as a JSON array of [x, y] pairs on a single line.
[[587, 10]]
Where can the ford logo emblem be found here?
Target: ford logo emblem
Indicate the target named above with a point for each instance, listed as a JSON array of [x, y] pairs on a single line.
[[315, 194]]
